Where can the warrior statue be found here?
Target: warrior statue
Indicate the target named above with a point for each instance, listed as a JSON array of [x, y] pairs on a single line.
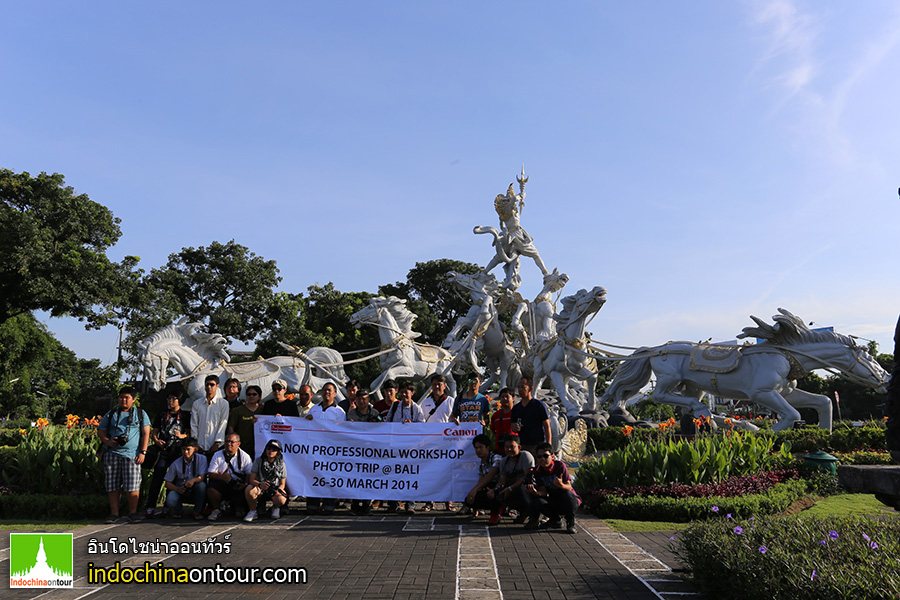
[[511, 241]]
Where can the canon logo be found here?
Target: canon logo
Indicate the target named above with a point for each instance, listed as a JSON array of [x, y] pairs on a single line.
[[460, 432]]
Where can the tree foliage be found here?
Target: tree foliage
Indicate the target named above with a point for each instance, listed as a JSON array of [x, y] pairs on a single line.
[[41, 377], [226, 286], [53, 246], [432, 297]]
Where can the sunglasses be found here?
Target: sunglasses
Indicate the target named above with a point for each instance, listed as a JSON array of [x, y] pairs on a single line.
[[276, 388], [252, 394], [544, 455], [212, 384]]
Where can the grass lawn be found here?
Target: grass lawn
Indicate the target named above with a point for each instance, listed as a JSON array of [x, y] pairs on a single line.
[[844, 505], [27, 525], [623, 525]]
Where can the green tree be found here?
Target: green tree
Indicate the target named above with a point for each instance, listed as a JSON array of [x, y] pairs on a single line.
[[223, 285], [322, 318], [43, 378], [53, 246], [432, 297]]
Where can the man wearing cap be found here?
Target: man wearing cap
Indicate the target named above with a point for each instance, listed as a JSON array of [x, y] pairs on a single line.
[[437, 406], [279, 405], [363, 413], [388, 397], [268, 478], [186, 480], [209, 417], [471, 406]]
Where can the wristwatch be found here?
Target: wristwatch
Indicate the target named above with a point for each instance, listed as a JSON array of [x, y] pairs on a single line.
[[143, 452]]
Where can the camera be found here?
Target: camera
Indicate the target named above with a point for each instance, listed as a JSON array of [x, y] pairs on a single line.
[[121, 439]]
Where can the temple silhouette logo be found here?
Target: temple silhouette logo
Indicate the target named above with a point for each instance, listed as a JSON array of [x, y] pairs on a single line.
[[40, 560]]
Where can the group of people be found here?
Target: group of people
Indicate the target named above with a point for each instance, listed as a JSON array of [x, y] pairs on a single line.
[[205, 457]]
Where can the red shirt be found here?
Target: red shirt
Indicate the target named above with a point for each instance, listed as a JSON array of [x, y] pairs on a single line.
[[501, 423]]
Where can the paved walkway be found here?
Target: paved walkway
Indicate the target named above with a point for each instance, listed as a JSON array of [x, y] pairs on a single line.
[[430, 555]]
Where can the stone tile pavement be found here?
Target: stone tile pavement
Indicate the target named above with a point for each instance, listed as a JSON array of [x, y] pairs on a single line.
[[431, 555]]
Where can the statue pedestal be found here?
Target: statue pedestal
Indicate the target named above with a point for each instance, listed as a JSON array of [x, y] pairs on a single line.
[[881, 480]]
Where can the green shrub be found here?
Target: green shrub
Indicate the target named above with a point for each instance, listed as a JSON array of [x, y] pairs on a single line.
[[11, 437], [55, 458], [701, 460], [682, 510], [846, 438], [6, 454], [864, 457], [49, 507], [806, 439], [803, 559]]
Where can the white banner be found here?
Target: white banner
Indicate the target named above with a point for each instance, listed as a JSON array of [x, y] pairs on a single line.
[[374, 461]]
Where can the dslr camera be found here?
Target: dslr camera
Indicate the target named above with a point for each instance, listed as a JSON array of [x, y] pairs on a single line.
[[121, 439]]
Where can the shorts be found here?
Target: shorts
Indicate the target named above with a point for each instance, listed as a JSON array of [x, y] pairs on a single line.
[[121, 472]]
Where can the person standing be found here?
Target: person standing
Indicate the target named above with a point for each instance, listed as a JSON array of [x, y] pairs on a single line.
[[124, 436], [232, 392], [279, 405], [363, 413], [472, 406], [242, 419], [501, 420], [530, 419], [405, 411], [437, 406], [304, 400], [389, 397], [209, 418], [326, 410], [170, 428]]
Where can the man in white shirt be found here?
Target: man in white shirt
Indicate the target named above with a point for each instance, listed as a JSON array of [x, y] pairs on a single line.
[[326, 410], [437, 406], [227, 477], [209, 418]]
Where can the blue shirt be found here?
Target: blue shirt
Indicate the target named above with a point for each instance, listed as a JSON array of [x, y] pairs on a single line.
[[472, 410], [117, 422]]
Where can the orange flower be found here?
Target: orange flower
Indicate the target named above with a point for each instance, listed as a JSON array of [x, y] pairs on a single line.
[[23, 431], [95, 422], [41, 423], [289, 396], [730, 423], [72, 421], [627, 429]]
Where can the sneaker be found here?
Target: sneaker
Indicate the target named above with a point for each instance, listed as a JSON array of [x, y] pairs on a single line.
[[251, 516], [533, 524], [111, 519], [495, 518], [450, 506], [428, 506], [276, 513], [215, 514], [519, 519], [135, 517], [410, 508], [570, 526], [554, 524], [150, 513]]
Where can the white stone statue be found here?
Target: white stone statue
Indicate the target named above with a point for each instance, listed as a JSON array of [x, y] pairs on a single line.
[[194, 354], [402, 356], [764, 373], [565, 357], [480, 330], [511, 241], [533, 321]]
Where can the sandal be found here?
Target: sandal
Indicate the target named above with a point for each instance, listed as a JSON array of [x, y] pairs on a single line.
[[428, 506]]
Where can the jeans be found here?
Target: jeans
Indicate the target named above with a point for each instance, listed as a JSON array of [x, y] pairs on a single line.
[[196, 493]]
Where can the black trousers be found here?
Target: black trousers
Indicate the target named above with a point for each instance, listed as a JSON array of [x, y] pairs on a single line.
[[558, 505]]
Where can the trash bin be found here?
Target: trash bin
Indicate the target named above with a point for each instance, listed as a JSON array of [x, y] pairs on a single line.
[[821, 461]]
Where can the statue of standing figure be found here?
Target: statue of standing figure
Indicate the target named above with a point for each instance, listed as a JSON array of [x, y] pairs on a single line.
[[511, 241]]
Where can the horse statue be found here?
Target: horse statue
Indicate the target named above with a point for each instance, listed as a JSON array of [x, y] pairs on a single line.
[[401, 356], [563, 357], [481, 329], [765, 373], [194, 354]]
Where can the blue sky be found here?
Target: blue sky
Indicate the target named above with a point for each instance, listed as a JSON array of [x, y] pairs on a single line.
[[703, 161]]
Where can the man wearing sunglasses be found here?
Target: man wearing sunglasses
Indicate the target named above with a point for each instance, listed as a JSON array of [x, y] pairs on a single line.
[[551, 493], [279, 405], [209, 418]]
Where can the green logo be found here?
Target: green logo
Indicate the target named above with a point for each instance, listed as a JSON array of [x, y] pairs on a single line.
[[40, 560]]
